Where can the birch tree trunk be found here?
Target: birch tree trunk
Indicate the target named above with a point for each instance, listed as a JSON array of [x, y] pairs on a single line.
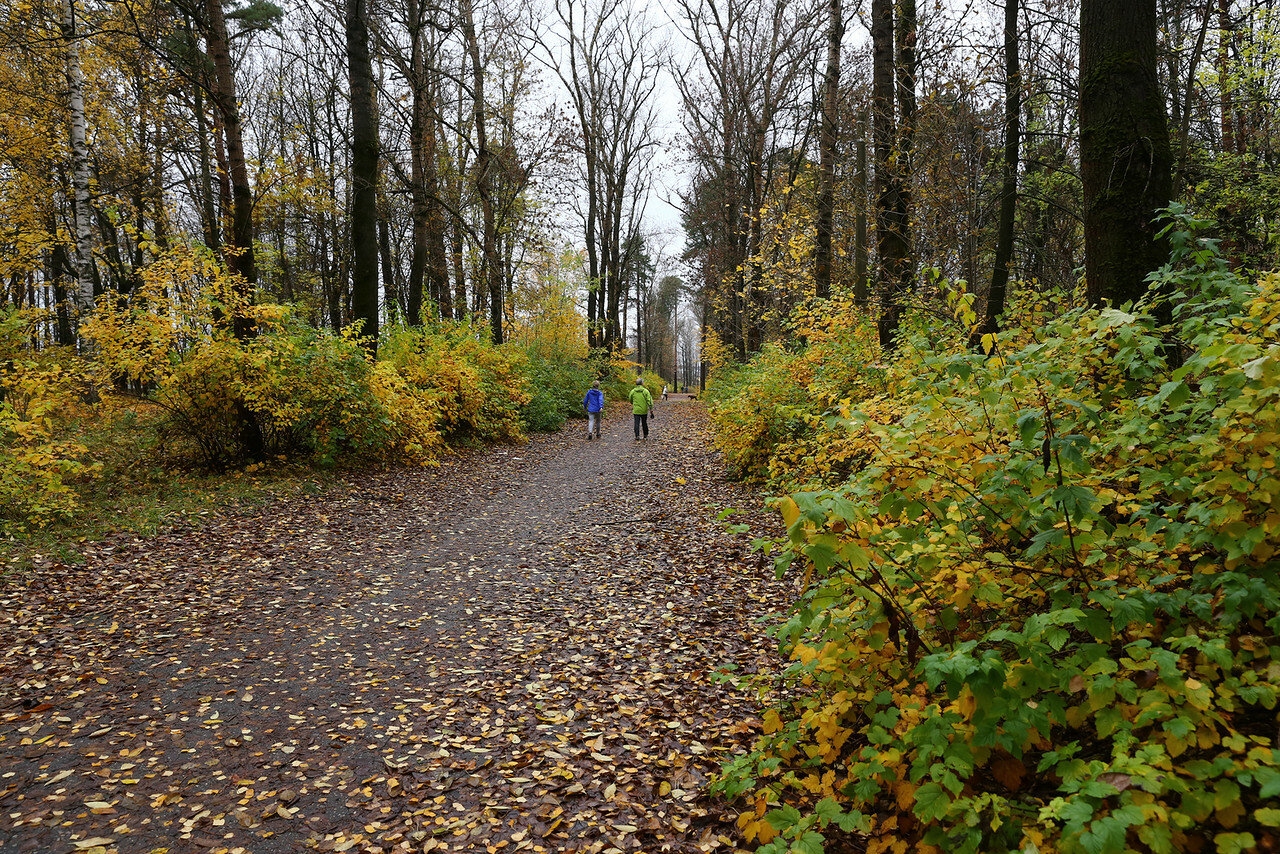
[[83, 256]]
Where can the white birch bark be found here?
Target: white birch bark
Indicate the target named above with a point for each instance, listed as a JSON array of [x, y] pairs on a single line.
[[83, 256]]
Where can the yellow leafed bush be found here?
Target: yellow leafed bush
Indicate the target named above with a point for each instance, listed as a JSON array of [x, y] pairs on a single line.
[[39, 460]]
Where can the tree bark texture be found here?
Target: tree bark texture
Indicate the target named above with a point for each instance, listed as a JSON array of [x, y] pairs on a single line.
[[364, 175], [827, 152], [891, 220], [490, 281], [1186, 106], [83, 256], [1226, 101], [417, 167], [428, 265], [1125, 156], [861, 293], [240, 249], [993, 307]]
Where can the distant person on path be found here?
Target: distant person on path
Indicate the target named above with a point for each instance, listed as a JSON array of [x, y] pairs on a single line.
[[664, 392], [641, 407], [594, 404]]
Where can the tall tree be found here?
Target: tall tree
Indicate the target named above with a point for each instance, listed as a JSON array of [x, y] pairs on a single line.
[[609, 63], [1125, 166], [428, 214], [227, 101], [861, 295], [827, 142], [892, 241], [993, 306], [83, 255], [364, 174], [747, 116], [490, 278]]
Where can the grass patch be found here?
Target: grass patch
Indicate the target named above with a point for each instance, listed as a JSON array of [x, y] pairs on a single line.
[[145, 501]]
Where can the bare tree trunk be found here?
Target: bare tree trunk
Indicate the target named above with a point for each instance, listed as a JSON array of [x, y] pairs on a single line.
[[364, 176], [1226, 107], [1124, 147], [994, 304], [428, 266], [456, 248], [208, 210], [860, 290], [332, 295], [387, 266], [490, 280], [418, 168], [83, 258], [905, 70], [54, 265], [827, 152], [437, 263], [1184, 127], [240, 257], [609, 71], [891, 241]]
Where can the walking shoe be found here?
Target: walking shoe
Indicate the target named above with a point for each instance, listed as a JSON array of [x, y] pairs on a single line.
[[588, 437]]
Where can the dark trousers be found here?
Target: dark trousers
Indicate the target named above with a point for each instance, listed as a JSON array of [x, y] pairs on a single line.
[[642, 423]]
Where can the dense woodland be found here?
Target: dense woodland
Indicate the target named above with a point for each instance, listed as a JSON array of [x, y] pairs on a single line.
[[409, 163], [983, 290]]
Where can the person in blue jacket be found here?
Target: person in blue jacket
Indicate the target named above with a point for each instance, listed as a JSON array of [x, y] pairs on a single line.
[[594, 404]]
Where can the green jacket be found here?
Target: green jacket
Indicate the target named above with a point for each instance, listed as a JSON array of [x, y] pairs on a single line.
[[641, 400]]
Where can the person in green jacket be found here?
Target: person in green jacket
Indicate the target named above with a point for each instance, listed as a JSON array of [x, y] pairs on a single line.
[[641, 407]]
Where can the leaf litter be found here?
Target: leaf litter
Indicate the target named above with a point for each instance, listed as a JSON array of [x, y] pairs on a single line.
[[513, 652]]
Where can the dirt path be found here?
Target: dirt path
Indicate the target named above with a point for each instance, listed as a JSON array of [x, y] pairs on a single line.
[[512, 652]]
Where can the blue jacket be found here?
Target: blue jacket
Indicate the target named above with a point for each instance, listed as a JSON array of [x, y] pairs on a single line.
[[594, 401]]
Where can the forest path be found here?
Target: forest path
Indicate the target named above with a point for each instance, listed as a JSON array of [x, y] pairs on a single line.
[[511, 652]]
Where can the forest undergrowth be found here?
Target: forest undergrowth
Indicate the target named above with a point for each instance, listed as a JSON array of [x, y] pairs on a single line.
[[1041, 606], [169, 412]]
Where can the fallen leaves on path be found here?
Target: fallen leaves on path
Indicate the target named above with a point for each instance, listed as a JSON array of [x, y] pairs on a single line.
[[511, 653]]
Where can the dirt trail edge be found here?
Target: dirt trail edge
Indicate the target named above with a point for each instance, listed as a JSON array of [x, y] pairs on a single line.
[[512, 652]]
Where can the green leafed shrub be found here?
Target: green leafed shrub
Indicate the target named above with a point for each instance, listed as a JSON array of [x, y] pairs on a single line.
[[288, 391], [556, 388], [1041, 613]]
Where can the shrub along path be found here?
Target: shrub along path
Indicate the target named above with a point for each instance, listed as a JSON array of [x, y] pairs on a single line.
[[512, 652]]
